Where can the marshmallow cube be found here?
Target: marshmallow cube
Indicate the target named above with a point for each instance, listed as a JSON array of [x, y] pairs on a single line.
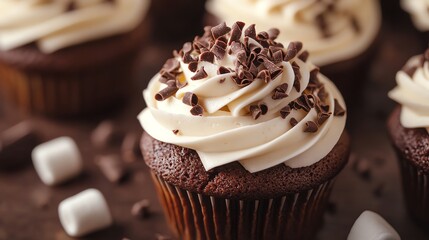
[[57, 160], [84, 213], [371, 226]]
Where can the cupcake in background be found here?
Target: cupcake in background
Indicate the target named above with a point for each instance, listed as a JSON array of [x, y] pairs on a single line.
[[244, 137], [69, 57], [179, 18], [339, 35], [419, 14], [408, 128]]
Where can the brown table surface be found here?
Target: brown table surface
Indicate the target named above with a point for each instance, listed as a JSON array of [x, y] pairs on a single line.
[[20, 190]]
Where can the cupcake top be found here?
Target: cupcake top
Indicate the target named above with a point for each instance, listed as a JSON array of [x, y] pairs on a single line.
[[418, 9], [332, 31], [57, 24], [412, 92], [237, 95]]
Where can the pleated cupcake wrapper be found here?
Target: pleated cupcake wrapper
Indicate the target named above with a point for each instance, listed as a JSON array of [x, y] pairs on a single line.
[[68, 93], [415, 184], [197, 216]]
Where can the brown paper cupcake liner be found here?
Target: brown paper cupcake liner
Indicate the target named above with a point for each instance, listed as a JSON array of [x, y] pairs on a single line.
[[69, 93], [197, 216], [415, 184]]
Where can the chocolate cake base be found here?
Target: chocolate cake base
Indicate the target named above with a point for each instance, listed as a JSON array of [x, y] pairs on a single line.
[[412, 147], [229, 202]]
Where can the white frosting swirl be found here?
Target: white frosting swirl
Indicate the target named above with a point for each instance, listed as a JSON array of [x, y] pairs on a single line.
[[412, 92], [296, 20], [418, 9], [226, 132], [53, 27]]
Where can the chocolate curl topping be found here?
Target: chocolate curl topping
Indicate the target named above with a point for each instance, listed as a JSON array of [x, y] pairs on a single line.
[[201, 74], [197, 110], [219, 49], [187, 47], [338, 110], [292, 50], [207, 57], [311, 127], [273, 33], [296, 83], [171, 65], [220, 30], [237, 30], [280, 92], [166, 93], [284, 112], [250, 32], [190, 99], [193, 66], [264, 75], [258, 110], [322, 117], [223, 70], [304, 56], [293, 122]]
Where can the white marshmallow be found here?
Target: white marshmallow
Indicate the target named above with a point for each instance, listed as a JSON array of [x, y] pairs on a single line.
[[57, 160], [84, 213], [371, 226]]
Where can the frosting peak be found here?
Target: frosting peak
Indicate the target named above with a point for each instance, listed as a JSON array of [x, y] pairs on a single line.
[[237, 95], [332, 31], [418, 9], [412, 92], [56, 24]]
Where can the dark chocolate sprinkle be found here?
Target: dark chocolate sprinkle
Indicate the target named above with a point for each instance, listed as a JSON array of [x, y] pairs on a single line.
[[304, 56], [293, 122], [311, 127], [193, 66], [280, 92], [273, 33], [197, 110], [250, 32], [284, 112], [223, 70], [222, 80], [190, 99], [219, 49], [255, 111], [201, 74], [207, 57], [322, 117], [165, 93], [220, 30], [296, 83], [237, 29], [338, 109]]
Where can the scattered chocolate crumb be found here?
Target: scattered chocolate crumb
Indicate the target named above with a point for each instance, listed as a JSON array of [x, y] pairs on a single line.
[[338, 109], [130, 148], [141, 209], [362, 168], [284, 112], [201, 74], [280, 92], [197, 110], [112, 167], [223, 70], [311, 127], [378, 190], [293, 122], [175, 131], [222, 80], [105, 134], [190, 99], [16, 145]]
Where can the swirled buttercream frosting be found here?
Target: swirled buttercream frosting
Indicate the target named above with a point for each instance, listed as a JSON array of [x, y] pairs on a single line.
[[412, 92], [418, 9], [237, 95], [332, 31], [57, 24]]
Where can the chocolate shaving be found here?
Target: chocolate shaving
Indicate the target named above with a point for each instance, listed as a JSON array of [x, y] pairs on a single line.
[[197, 110], [293, 122], [273, 33], [171, 65], [280, 92], [220, 30], [264, 75], [311, 127], [304, 56], [223, 70], [292, 50], [187, 58], [207, 57], [112, 168], [201, 74], [141, 209], [166, 93], [250, 32], [262, 36], [284, 112], [322, 117], [190, 99], [222, 80], [187, 47], [237, 29], [322, 25], [258, 110], [278, 56], [296, 83], [355, 24], [193, 66], [338, 109], [219, 49]]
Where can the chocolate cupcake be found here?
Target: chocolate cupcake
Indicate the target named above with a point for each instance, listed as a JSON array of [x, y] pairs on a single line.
[[69, 57], [244, 137], [339, 35], [408, 128]]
